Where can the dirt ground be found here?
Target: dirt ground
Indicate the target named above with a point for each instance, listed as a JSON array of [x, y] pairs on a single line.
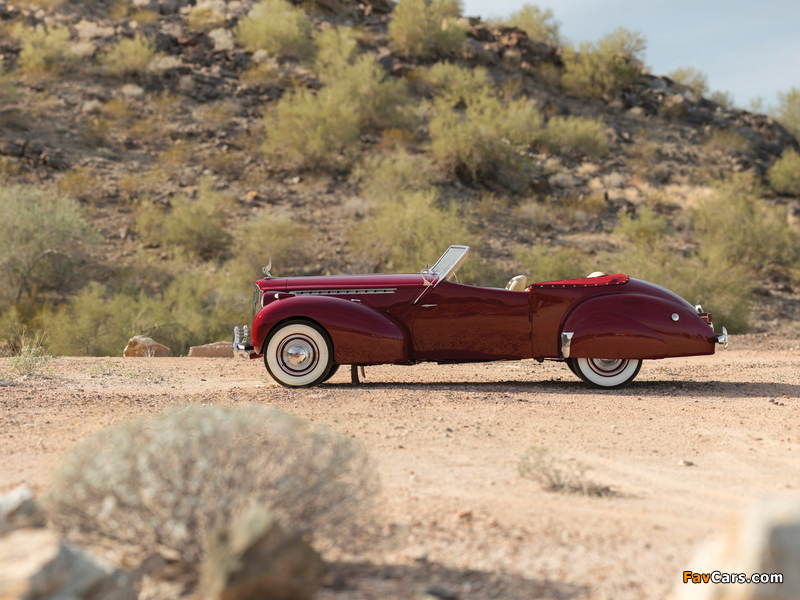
[[688, 445]]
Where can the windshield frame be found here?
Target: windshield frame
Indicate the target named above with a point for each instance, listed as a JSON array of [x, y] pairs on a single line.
[[443, 269]]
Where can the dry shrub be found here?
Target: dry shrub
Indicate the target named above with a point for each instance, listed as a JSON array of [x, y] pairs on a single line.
[[45, 51], [171, 480], [691, 78], [217, 115], [554, 264], [788, 111], [784, 175], [540, 25], [452, 83], [576, 134], [427, 29], [29, 356], [481, 140], [603, 67], [196, 226], [558, 475], [130, 56], [82, 184], [230, 163], [384, 178], [277, 27], [726, 141], [205, 17], [8, 91]]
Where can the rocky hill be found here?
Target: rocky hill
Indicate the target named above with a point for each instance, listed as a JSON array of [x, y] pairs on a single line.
[[198, 146]]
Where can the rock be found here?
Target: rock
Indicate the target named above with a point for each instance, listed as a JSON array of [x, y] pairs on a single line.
[[223, 40], [765, 540], [92, 107], [168, 7], [144, 346], [474, 50], [215, 350], [19, 510], [256, 560], [90, 31], [131, 90], [36, 565]]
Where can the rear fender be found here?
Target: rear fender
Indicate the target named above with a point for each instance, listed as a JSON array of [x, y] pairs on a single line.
[[634, 326], [360, 334]]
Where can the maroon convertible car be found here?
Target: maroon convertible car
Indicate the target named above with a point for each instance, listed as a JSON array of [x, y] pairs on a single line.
[[603, 326]]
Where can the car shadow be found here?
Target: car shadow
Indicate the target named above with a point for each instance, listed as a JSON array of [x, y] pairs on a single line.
[[433, 580], [651, 388]]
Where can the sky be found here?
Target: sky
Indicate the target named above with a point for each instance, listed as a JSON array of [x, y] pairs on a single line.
[[745, 47]]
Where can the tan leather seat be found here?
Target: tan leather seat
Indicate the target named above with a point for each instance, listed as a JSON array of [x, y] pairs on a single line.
[[517, 284]]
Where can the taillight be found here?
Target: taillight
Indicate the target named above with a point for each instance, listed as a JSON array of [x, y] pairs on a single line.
[[706, 317]]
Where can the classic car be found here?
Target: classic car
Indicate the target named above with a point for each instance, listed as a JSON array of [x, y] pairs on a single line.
[[603, 326]]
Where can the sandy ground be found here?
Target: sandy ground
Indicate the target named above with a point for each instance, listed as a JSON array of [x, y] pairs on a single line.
[[687, 446]]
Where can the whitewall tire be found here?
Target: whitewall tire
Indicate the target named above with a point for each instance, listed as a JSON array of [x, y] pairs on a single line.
[[606, 372], [298, 354]]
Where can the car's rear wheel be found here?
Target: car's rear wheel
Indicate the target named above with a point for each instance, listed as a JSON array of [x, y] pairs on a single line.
[[606, 373], [298, 354]]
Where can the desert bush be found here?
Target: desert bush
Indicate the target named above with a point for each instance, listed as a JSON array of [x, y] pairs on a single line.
[[314, 130], [30, 356], [690, 77], [196, 226], [8, 91], [45, 51], [205, 17], [576, 134], [81, 183], [43, 242], [173, 479], [725, 141], [554, 264], [646, 228], [277, 27], [270, 234], [427, 29], [453, 83], [130, 56], [481, 138], [384, 178], [540, 25], [604, 67], [724, 99], [788, 110], [217, 115], [784, 175], [407, 233], [558, 475]]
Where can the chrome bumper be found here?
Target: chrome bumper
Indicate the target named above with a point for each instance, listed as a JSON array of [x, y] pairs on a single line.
[[241, 339], [722, 338]]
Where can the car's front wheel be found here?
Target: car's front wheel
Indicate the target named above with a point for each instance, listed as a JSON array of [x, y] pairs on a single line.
[[298, 354], [606, 373]]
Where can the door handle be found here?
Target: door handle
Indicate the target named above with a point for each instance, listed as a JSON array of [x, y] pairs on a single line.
[[428, 305]]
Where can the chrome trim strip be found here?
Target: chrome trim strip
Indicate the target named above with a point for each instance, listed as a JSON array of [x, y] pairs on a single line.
[[722, 338], [566, 341], [343, 292]]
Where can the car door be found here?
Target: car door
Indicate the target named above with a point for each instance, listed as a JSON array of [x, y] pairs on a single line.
[[463, 323]]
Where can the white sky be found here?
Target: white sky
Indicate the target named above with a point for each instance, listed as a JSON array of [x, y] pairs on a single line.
[[750, 48]]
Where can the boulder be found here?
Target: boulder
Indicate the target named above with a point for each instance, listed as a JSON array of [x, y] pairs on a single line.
[[223, 40], [19, 510], [765, 540], [215, 350], [256, 560], [36, 565], [140, 345]]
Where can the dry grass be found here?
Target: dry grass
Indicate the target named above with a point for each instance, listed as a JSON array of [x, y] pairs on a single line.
[[277, 27], [558, 475]]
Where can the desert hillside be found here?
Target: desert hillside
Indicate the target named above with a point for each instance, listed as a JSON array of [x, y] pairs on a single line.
[[155, 154]]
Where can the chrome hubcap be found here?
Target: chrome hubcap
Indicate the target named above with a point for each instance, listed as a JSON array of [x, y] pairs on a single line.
[[297, 354], [608, 367]]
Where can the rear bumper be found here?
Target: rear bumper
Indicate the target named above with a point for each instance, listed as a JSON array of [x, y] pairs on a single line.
[[722, 338]]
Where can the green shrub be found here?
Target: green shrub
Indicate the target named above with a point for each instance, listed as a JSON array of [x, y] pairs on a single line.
[[407, 233], [788, 111], [172, 480], [43, 243], [277, 27], [270, 234], [204, 18], [196, 226], [540, 25], [384, 178], [314, 130], [784, 175], [46, 51], [581, 134], [604, 67], [427, 29], [130, 56], [553, 264], [453, 83], [646, 229], [481, 138], [690, 77]]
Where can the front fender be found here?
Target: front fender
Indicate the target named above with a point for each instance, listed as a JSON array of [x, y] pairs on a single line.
[[360, 334], [635, 326]]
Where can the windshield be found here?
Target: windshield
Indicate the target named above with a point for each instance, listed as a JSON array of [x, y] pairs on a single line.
[[450, 261]]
